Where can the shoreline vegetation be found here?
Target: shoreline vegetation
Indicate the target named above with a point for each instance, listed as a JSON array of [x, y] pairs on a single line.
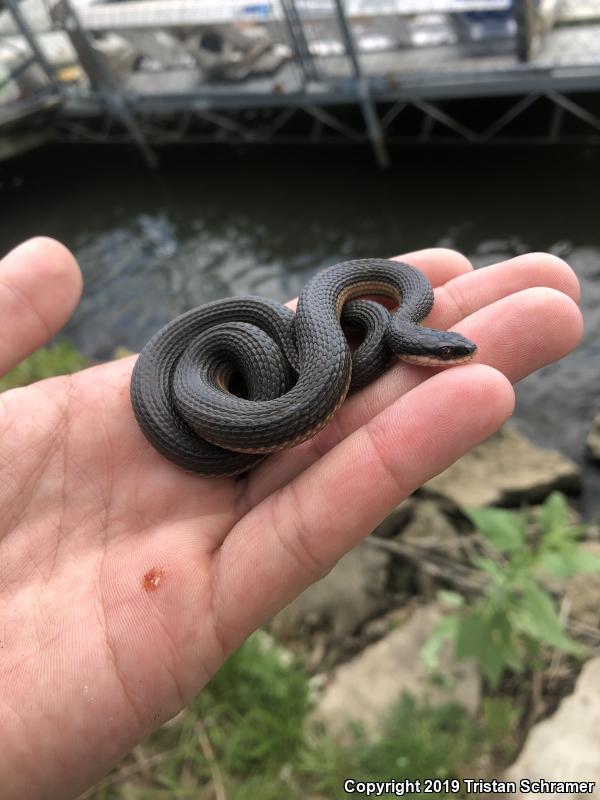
[[59, 358]]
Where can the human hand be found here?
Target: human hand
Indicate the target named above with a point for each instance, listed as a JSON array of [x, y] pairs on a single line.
[[126, 582]]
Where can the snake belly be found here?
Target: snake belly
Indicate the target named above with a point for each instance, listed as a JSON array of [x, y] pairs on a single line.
[[296, 369]]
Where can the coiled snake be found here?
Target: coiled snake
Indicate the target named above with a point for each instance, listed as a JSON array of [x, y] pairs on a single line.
[[222, 385]]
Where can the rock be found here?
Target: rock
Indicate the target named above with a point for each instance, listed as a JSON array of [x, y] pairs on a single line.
[[353, 592], [397, 519], [566, 746], [364, 688], [430, 527], [506, 470], [593, 439]]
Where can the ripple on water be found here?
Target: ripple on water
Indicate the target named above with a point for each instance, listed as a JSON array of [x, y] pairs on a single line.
[[152, 245]]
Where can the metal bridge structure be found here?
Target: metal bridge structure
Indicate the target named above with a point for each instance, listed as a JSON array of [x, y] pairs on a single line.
[[242, 72]]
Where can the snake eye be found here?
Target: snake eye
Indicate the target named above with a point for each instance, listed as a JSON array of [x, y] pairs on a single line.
[[445, 352]]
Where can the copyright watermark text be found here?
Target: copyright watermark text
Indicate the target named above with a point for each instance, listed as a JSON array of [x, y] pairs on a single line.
[[468, 785]]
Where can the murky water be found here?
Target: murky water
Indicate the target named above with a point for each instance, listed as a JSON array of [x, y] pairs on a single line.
[[211, 223]]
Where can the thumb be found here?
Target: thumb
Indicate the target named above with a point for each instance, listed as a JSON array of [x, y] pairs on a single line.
[[40, 285]]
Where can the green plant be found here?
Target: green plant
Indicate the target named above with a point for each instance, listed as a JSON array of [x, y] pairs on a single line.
[[234, 740], [59, 358], [244, 737], [254, 707], [417, 742], [514, 615]]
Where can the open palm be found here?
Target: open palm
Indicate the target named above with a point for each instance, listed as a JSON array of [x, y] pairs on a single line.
[[126, 582]]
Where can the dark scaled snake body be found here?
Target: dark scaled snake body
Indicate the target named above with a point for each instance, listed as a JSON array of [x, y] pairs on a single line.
[[222, 385]]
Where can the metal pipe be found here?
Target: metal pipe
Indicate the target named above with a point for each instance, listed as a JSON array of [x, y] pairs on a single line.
[[29, 36], [100, 77], [363, 91], [298, 40]]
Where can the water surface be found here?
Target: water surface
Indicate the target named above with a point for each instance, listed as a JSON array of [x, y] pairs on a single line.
[[211, 223]]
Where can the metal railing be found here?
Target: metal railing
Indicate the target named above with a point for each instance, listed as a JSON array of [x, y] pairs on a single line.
[[158, 71]]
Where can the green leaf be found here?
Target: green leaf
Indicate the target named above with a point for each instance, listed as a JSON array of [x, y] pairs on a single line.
[[450, 599], [557, 564], [490, 567], [571, 560], [512, 656], [554, 514], [444, 630], [470, 633], [537, 617], [503, 529], [582, 560], [485, 639]]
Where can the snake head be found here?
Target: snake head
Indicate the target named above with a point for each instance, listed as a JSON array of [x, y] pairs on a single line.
[[432, 348], [454, 349]]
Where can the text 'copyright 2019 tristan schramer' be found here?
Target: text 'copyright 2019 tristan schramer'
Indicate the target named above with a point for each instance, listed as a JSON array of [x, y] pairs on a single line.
[[475, 786]]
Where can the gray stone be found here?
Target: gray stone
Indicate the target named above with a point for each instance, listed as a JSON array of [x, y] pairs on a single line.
[[566, 746], [432, 530], [507, 469], [397, 519], [593, 439], [364, 688], [351, 593], [430, 527]]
